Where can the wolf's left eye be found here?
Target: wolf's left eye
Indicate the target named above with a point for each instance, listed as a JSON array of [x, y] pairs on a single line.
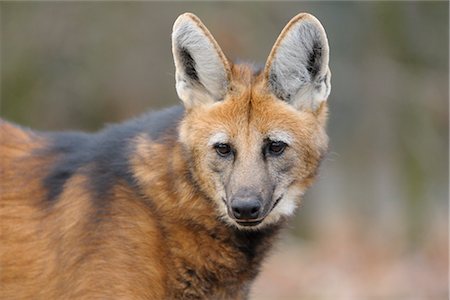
[[276, 147]]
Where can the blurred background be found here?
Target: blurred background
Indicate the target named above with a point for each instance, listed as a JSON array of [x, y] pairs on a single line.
[[375, 225]]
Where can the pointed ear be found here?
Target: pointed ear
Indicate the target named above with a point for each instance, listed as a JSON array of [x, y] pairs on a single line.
[[297, 68], [202, 70]]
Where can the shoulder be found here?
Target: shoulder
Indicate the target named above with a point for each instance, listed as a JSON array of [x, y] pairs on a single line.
[[104, 156]]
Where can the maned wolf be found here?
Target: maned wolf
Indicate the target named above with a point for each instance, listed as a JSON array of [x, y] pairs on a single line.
[[178, 204]]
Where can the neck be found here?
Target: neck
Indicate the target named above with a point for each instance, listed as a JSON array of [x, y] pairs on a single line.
[[201, 246]]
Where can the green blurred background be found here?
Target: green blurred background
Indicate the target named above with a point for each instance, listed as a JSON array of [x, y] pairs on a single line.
[[375, 225]]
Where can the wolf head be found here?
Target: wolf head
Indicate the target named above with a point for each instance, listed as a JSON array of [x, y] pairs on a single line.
[[254, 139]]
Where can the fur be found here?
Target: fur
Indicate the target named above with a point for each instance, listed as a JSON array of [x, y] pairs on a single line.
[[144, 209], [298, 64], [194, 48]]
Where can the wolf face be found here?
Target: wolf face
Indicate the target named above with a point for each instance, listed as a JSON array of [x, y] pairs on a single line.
[[254, 138], [143, 204]]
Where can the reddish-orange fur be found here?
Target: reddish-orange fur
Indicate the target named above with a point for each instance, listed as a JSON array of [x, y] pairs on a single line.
[[62, 253], [159, 237]]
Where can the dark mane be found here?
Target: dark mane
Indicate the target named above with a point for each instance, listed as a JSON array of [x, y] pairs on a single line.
[[104, 154]]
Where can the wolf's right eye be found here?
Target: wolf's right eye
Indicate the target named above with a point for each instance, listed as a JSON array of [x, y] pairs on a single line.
[[223, 150]]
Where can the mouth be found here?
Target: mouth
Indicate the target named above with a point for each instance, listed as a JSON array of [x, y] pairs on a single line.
[[276, 202], [249, 222]]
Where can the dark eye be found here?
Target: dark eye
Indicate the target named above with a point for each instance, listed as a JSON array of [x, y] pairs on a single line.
[[223, 149], [276, 148]]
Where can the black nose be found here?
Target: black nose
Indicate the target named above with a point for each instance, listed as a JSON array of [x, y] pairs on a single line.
[[246, 209]]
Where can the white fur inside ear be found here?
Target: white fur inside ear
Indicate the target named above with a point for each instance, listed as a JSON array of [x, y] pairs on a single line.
[[298, 69], [201, 73]]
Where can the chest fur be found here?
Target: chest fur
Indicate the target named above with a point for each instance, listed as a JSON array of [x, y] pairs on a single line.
[[219, 263]]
